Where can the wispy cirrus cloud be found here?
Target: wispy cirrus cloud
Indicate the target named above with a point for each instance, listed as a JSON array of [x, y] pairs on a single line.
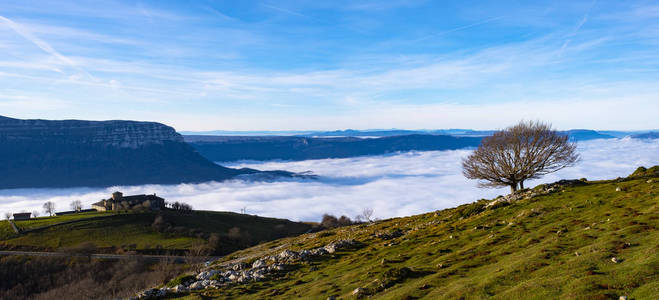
[[244, 60], [43, 45]]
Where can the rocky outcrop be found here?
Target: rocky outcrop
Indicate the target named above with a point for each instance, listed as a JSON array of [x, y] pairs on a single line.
[[121, 134], [261, 268], [70, 153]]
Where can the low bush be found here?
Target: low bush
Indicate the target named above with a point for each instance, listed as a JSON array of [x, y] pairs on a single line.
[[182, 279], [330, 221]]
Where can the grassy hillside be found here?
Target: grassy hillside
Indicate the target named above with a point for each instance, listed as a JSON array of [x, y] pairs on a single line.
[[137, 232], [584, 240]]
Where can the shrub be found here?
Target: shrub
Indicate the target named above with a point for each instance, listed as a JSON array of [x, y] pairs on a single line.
[[239, 236], [182, 279], [159, 224], [330, 221], [181, 207], [344, 221]]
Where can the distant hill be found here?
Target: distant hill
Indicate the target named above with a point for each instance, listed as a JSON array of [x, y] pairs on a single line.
[[649, 135], [586, 134], [231, 148], [577, 134], [70, 153], [567, 240], [345, 143], [177, 233]]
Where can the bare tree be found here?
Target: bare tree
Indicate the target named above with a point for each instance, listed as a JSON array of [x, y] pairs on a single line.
[[49, 208], [35, 213], [8, 215], [367, 213], [76, 205], [524, 151], [182, 207]]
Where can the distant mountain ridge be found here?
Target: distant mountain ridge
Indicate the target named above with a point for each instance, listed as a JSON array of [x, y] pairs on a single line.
[[73, 153], [649, 135], [577, 134], [231, 148], [345, 143]]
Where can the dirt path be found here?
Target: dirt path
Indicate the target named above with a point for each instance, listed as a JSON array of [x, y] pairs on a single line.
[[13, 226]]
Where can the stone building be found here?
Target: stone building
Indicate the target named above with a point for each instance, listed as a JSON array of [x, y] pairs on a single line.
[[22, 216], [120, 202]]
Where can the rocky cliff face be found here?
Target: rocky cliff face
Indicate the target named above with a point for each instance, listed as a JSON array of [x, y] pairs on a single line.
[[41, 153], [122, 134]]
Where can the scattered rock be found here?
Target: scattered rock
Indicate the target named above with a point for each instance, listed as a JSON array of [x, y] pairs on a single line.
[[241, 273], [331, 298], [577, 253], [649, 181], [180, 289], [319, 252], [239, 266], [206, 275], [259, 263], [618, 189], [358, 292], [341, 244], [622, 298], [197, 285], [288, 254], [390, 235], [615, 260], [152, 293]]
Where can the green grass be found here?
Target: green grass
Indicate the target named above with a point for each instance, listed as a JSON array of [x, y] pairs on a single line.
[[45, 221], [555, 246], [134, 229], [5, 230]]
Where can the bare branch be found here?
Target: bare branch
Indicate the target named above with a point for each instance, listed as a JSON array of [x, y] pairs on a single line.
[[524, 151]]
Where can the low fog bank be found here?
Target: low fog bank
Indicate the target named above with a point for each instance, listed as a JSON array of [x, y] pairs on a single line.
[[392, 185]]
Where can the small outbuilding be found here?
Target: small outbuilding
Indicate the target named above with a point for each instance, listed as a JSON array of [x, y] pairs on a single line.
[[22, 216]]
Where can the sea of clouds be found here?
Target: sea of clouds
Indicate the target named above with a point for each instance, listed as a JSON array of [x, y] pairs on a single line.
[[392, 185]]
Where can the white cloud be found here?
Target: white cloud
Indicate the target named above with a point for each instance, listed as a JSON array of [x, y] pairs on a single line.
[[393, 185]]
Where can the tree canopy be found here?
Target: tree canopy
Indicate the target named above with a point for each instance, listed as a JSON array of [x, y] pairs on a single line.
[[524, 151]]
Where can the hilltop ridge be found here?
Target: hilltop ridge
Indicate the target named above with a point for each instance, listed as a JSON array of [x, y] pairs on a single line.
[[571, 239]]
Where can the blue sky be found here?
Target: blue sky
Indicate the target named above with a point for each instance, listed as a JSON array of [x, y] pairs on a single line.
[[282, 65]]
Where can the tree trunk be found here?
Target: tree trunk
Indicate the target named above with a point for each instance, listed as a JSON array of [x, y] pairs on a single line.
[[513, 187], [521, 185]]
